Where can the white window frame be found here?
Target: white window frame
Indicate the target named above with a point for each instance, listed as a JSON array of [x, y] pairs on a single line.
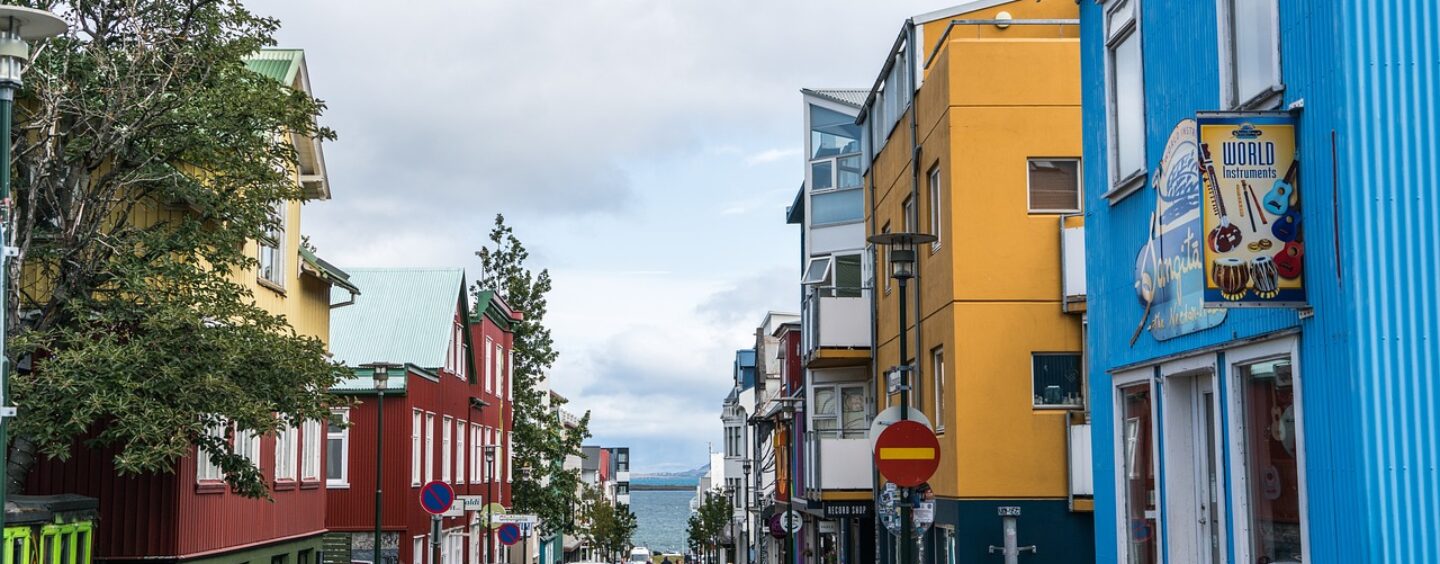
[[824, 275], [417, 426], [882, 268], [205, 470], [343, 435], [1230, 95], [312, 445], [1122, 525], [1061, 406], [418, 547], [429, 454], [1079, 186], [461, 429], [247, 444], [510, 372], [286, 453], [447, 443], [477, 455], [1122, 186], [937, 373], [499, 366], [838, 388], [509, 459], [1240, 486], [489, 366], [937, 196], [275, 241]]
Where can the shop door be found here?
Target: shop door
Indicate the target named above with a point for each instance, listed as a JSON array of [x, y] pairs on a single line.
[[1206, 455], [1194, 482]]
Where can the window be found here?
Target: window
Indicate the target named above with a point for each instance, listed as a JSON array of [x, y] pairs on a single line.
[[285, 452], [311, 443], [247, 444], [1137, 476], [1126, 96], [509, 458], [460, 432], [418, 549], [509, 374], [205, 469], [908, 219], [280, 559], [881, 260], [1249, 53], [945, 546], [337, 449], [937, 371], [447, 440], [822, 175], [271, 246], [499, 366], [841, 412], [817, 272], [935, 205], [1272, 460], [477, 456], [429, 454], [416, 425], [305, 556], [489, 367], [847, 276], [1054, 185], [1056, 378], [832, 208]]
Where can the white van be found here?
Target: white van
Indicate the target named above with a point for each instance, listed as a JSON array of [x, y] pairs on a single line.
[[639, 554]]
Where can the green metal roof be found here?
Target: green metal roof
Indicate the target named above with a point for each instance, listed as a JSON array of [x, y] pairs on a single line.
[[404, 317], [490, 305], [277, 64], [318, 267]]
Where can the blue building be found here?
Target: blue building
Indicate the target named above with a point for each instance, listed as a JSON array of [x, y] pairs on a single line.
[[1305, 432]]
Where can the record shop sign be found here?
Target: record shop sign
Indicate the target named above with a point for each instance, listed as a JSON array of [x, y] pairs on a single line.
[[1169, 270], [1254, 240], [846, 509]]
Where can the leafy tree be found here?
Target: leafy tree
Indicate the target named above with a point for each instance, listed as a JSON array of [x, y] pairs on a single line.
[[608, 527], [146, 156], [541, 484], [708, 523]]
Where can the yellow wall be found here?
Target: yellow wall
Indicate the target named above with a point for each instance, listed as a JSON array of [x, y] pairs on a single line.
[[990, 293], [303, 300]]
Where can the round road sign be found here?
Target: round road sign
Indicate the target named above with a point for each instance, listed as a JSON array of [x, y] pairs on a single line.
[[509, 534], [907, 453], [436, 497]]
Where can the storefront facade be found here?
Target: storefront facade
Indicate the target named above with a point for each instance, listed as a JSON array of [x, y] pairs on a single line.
[[1240, 413]]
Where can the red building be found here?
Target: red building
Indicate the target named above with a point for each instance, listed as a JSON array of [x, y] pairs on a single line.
[[446, 403]]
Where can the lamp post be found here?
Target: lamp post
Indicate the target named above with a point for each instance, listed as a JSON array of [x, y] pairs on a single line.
[[901, 248], [745, 509], [489, 499], [790, 469], [18, 27], [380, 375]]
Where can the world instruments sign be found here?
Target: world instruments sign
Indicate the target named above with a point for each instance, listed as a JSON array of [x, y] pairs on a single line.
[[1254, 239]]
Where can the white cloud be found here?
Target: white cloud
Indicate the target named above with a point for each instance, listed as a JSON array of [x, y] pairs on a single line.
[[771, 155]]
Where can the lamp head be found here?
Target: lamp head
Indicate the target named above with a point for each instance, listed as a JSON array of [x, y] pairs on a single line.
[[18, 27], [902, 251]]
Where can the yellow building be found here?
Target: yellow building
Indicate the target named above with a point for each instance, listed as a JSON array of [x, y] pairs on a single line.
[[997, 347]]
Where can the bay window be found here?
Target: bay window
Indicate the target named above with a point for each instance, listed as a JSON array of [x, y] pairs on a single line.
[[841, 411]]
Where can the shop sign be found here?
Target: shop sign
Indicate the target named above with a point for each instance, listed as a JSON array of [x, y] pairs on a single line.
[[1169, 270], [846, 509], [1254, 242]]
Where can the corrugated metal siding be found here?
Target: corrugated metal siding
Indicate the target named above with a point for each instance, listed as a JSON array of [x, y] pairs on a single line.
[[1389, 186], [1370, 436], [404, 315], [137, 513]]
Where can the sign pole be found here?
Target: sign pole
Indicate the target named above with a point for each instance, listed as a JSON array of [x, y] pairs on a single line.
[[435, 539], [906, 518]]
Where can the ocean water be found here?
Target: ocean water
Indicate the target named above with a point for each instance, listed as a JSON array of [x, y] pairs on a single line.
[[661, 517]]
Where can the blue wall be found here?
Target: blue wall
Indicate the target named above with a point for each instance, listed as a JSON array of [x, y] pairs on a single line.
[[1369, 355]]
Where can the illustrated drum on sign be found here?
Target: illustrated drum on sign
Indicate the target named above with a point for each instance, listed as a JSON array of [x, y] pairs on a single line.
[[1232, 276], [1264, 276], [1278, 225]]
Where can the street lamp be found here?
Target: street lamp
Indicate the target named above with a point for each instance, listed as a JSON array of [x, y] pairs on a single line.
[[745, 509], [901, 247], [380, 375], [788, 409], [489, 499], [18, 27]]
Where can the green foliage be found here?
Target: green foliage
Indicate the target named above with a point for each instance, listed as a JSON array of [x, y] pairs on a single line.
[[608, 527], [541, 485], [706, 525], [146, 156]]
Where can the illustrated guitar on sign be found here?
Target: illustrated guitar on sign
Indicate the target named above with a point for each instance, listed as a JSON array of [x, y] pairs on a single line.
[[1277, 201], [1226, 236]]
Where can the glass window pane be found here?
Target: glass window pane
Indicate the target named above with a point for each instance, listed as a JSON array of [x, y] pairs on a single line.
[[334, 459], [818, 271], [850, 175], [1252, 25], [1057, 379], [852, 405], [832, 133], [1124, 12], [825, 401], [847, 276], [1129, 107], [1139, 475], [822, 175], [843, 206], [1272, 463], [1054, 185]]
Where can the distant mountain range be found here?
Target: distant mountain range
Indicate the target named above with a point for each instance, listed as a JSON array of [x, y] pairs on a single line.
[[684, 478]]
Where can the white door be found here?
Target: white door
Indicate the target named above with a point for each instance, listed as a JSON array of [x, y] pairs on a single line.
[[1207, 454]]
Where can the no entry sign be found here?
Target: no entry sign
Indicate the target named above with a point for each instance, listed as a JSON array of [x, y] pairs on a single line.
[[436, 497], [907, 453]]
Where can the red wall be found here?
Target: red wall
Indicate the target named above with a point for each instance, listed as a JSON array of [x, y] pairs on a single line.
[[164, 515]]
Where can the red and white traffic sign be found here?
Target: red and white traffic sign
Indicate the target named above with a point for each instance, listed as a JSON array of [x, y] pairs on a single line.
[[907, 453], [436, 497]]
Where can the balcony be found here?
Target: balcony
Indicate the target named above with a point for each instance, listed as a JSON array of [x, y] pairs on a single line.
[[835, 463], [1072, 263], [836, 327], [623, 476]]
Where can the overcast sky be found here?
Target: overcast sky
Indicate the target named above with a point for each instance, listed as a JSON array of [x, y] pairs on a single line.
[[644, 151]]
